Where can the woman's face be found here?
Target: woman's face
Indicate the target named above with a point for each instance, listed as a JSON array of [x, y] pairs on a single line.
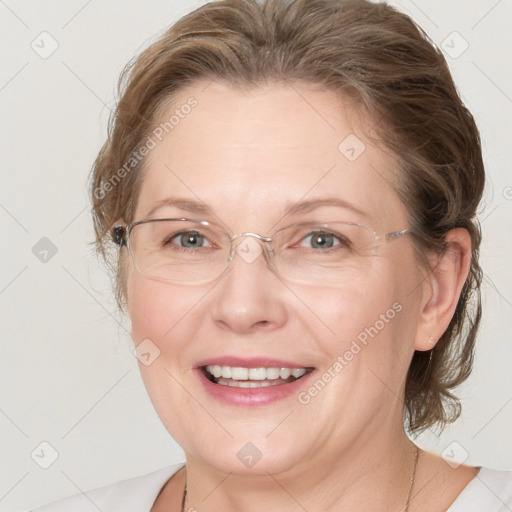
[[247, 159]]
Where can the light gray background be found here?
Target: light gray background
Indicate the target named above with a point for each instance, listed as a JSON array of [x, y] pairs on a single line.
[[68, 375]]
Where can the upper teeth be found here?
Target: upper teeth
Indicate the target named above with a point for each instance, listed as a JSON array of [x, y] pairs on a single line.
[[240, 373]]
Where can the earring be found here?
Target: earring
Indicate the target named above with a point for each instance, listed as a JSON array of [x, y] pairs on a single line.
[[430, 359], [431, 340], [427, 369]]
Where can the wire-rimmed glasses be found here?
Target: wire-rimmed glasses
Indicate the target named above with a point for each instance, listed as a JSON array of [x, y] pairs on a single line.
[[188, 251]]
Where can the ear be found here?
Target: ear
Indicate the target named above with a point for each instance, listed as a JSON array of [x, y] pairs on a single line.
[[442, 289]]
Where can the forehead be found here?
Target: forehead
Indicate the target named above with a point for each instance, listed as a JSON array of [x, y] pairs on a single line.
[[263, 150]]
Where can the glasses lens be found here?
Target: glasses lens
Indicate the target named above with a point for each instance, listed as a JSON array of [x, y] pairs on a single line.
[[184, 251], [179, 251], [323, 252]]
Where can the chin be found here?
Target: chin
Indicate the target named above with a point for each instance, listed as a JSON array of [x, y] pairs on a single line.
[[254, 458]]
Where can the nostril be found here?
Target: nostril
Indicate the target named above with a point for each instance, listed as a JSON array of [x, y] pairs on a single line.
[[261, 323]]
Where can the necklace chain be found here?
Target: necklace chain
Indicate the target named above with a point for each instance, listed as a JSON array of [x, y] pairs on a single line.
[[185, 499], [405, 507], [413, 477]]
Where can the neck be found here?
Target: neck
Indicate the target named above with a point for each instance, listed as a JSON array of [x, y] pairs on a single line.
[[373, 473]]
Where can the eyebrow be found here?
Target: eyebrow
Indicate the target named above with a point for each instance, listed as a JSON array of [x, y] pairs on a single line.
[[308, 206], [200, 208], [182, 204]]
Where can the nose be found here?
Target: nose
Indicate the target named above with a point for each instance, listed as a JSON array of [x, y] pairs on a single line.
[[250, 297]]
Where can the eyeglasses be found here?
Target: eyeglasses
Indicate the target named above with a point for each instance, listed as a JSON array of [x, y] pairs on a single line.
[[186, 251]]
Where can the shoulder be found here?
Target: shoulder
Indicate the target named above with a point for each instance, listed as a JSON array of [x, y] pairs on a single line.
[[134, 494], [490, 490]]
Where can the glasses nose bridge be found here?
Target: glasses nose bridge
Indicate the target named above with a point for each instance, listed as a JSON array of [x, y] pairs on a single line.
[[250, 254], [250, 234]]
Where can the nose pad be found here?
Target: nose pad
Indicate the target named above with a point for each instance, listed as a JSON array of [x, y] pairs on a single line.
[[248, 248]]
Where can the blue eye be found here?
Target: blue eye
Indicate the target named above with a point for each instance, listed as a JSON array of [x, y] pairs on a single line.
[[189, 239], [321, 240]]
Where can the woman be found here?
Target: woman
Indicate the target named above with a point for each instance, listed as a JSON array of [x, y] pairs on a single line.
[[292, 187]]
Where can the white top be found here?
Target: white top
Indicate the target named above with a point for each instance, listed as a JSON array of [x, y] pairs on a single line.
[[489, 491]]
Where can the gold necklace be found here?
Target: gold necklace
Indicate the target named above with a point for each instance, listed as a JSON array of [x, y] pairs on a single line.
[[405, 508], [184, 500], [413, 476]]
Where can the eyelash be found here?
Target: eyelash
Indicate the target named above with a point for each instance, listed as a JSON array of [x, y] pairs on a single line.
[[168, 240], [342, 242]]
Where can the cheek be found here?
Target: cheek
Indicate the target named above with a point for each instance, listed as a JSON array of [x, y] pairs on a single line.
[[374, 320], [377, 297], [391, 319], [157, 310], [147, 308]]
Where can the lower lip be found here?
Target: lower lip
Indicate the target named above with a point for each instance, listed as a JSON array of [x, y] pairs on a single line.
[[252, 397]]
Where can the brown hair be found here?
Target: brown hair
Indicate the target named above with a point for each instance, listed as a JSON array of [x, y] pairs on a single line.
[[366, 51]]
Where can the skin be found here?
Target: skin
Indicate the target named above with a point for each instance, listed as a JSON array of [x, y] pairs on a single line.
[[249, 156]]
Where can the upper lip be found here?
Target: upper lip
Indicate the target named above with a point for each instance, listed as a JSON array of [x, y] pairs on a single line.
[[250, 362]]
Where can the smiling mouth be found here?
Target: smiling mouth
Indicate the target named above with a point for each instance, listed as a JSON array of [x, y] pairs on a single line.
[[241, 377]]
